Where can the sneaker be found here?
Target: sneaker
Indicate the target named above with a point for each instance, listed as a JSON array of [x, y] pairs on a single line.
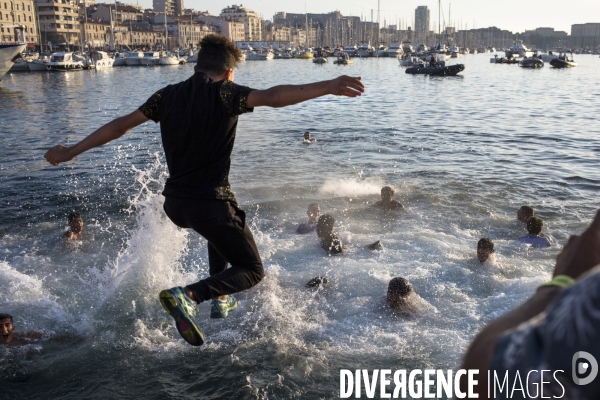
[[183, 310], [221, 308]]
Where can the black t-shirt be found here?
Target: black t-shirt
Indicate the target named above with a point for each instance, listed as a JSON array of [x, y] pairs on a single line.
[[198, 119]]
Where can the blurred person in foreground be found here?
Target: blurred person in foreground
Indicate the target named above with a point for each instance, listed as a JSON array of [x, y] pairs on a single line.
[[198, 120], [548, 332]]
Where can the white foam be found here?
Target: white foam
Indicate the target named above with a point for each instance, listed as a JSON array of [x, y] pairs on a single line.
[[351, 187]]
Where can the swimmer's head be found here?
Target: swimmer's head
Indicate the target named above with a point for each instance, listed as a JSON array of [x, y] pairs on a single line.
[[398, 290], [75, 222], [313, 212], [485, 248], [387, 193], [317, 281], [307, 136], [7, 329], [325, 225], [534, 225], [524, 213]]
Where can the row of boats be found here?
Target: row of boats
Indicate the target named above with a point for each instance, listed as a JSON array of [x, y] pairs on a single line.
[[538, 61], [68, 61]]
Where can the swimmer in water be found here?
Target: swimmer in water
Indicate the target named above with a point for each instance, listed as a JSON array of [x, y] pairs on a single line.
[[75, 226], [398, 294], [485, 248], [308, 138], [534, 238], [375, 246], [317, 282], [8, 335], [313, 212], [387, 200], [330, 240], [524, 213]]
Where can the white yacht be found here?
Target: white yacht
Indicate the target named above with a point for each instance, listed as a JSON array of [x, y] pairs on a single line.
[[519, 50], [395, 50], [63, 61], [259, 56], [133, 58], [119, 60], [380, 52], [101, 60], [150, 58], [168, 59], [365, 50], [8, 51]]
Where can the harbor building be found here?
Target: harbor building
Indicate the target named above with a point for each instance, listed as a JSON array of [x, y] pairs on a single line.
[[59, 22], [171, 7], [422, 20], [230, 29], [251, 20], [15, 13]]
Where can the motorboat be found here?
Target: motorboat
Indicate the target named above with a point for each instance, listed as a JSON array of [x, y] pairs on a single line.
[[8, 55], [380, 52], [168, 59], [40, 65], [350, 50], [287, 56], [439, 70], [343, 59], [119, 60], [63, 61], [519, 50], [151, 58], [482, 49], [20, 65], [100, 60], [566, 63], [365, 50], [320, 60], [259, 56], [134, 58], [502, 60], [409, 61], [395, 50], [465, 50], [306, 54], [531, 62]]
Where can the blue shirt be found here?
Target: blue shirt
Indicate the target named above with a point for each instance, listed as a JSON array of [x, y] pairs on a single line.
[[306, 228], [535, 241]]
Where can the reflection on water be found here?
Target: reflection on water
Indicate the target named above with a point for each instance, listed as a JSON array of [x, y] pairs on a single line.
[[463, 154]]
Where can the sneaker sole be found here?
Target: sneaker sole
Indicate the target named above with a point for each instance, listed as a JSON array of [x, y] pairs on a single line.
[[186, 327], [225, 314]]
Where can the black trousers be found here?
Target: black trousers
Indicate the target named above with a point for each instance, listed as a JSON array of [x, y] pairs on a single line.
[[223, 224]]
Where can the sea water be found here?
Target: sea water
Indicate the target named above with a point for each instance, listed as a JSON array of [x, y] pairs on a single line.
[[462, 153]]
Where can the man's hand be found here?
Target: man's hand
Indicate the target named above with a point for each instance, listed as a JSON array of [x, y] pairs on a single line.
[[58, 154], [346, 86], [581, 253]]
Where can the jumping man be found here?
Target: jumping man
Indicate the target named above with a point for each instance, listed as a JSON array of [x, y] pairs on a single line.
[[198, 119]]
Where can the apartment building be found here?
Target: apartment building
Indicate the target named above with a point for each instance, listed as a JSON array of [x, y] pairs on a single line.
[[18, 13], [251, 20]]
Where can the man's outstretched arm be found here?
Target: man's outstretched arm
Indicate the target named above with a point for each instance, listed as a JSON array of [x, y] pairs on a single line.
[[286, 95], [111, 131]]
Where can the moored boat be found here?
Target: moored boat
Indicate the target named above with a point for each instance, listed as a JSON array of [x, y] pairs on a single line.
[[440, 70], [63, 61], [531, 62], [8, 55], [558, 63]]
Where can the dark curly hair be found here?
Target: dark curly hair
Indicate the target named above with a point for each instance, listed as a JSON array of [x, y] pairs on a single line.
[[217, 54]]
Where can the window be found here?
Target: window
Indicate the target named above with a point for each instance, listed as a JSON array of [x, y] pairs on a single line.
[[17, 7], [19, 18]]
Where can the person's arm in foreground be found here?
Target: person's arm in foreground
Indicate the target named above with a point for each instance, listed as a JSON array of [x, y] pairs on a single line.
[[111, 131], [580, 254], [286, 95]]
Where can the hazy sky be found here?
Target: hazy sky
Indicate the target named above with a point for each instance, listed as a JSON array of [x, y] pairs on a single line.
[[514, 15]]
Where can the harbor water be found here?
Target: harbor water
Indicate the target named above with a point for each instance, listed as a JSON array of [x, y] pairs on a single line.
[[462, 153]]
